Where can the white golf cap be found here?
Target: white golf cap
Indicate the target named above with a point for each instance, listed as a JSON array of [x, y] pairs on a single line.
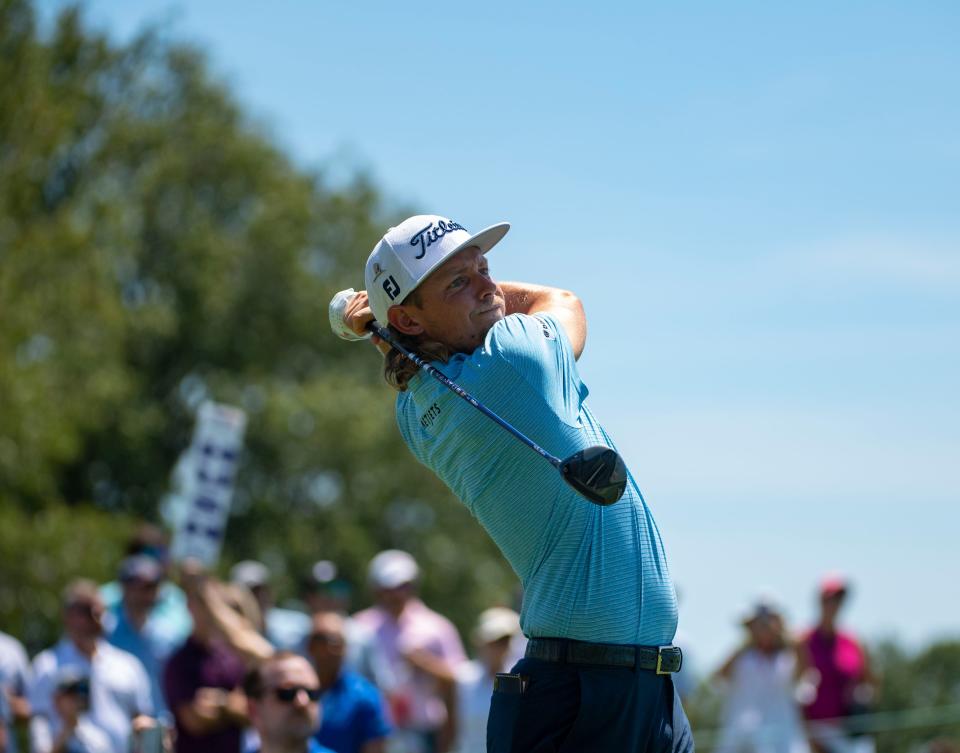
[[495, 623], [409, 252], [250, 573], [392, 568]]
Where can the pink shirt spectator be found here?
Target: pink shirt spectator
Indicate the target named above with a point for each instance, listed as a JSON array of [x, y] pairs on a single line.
[[841, 663], [411, 694]]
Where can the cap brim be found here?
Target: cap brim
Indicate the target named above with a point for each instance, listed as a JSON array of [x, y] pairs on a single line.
[[484, 240]]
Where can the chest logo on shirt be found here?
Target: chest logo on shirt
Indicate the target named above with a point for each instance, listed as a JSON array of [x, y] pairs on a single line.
[[546, 331], [429, 416]]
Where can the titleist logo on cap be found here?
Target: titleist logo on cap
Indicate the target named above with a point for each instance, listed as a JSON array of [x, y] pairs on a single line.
[[432, 233]]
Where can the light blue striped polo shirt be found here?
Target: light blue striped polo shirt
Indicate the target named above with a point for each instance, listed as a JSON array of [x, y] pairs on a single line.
[[589, 573]]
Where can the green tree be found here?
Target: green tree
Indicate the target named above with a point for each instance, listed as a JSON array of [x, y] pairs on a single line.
[[157, 249]]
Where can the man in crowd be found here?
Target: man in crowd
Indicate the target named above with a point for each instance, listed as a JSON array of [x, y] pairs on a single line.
[[283, 693], [203, 685], [326, 591], [416, 652], [118, 686], [132, 625], [14, 681], [354, 717], [169, 615], [598, 594]]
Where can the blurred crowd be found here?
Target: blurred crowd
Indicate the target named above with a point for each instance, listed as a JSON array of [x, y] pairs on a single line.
[[796, 691], [169, 658]]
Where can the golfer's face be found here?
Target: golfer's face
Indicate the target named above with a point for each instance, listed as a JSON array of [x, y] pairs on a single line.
[[460, 301]]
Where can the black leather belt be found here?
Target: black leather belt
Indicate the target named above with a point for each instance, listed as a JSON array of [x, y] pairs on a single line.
[[660, 659]]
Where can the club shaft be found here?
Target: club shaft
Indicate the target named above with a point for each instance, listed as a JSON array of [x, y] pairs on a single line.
[[384, 335]]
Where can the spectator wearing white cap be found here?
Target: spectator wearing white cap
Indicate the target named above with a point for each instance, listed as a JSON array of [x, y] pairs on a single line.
[[499, 644], [416, 652], [286, 629]]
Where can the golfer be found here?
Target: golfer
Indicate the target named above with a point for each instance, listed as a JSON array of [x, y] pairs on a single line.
[[599, 606]]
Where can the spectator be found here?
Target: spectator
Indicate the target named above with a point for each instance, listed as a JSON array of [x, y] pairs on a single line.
[[119, 689], [495, 639], [326, 592], [14, 681], [844, 684], [286, 629], [283, 693], [416, 652], [761, 714], [169, 615], [71, 701], [133, 624], [354, 716], [203, 685]]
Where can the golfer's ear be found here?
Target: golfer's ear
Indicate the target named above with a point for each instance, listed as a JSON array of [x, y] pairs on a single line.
[[401, 320]]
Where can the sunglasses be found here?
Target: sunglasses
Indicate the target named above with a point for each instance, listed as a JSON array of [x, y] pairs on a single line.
[[86, 609], [331, 639], [288, 695]]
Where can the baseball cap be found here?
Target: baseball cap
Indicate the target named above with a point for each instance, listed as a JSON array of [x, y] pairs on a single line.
[[833, 584], [409, 252], [250, 573], [141, 567], [763, 608], [392, 568], [496, 623], [72, 679]]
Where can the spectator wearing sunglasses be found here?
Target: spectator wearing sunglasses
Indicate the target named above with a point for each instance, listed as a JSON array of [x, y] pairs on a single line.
[[354, 713], [283, 693], [118, 689]]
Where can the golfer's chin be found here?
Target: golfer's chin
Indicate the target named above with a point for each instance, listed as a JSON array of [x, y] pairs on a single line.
[[488, 317]]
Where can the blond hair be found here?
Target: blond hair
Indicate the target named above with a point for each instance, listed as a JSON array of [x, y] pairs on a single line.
[[398, 370]]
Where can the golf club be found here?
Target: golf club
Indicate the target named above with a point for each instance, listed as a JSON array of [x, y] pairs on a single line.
[[597, 472]]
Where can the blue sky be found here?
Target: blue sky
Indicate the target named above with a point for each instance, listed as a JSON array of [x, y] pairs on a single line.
[[758, 204]]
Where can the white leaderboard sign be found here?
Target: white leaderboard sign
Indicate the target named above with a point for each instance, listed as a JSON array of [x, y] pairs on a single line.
[[207, 474]]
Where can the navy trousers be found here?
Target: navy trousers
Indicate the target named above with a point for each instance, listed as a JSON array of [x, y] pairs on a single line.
[[577, 708]]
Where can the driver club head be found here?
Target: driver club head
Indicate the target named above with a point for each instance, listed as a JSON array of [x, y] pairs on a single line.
[[598, 473]]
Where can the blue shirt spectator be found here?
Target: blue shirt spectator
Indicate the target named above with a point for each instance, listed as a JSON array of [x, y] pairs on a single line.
[[353, 714], [135, 625]]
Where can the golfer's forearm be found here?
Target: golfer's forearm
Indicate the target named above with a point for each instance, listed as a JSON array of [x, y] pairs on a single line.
[[527, 298]]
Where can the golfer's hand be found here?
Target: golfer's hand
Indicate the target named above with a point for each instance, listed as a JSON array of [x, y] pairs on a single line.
[[349, 313], [358, 314]]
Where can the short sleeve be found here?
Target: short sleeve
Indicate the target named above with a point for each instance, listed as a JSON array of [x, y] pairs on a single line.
[[538, 350], [19, 677], [372, 716]]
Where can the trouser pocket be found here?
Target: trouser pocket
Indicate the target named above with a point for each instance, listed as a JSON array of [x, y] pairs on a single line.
[[504, 708]]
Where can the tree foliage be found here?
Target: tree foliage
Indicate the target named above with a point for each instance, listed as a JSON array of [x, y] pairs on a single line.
[[157, 249]]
